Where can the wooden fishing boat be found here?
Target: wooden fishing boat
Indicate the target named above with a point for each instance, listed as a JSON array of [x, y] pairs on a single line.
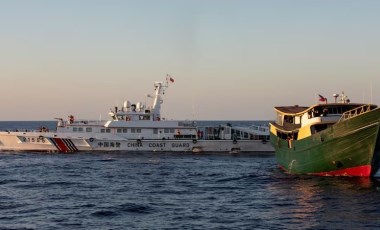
[[328, 139]]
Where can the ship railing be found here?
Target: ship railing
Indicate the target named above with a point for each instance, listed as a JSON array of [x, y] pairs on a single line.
[[355, 112], [259, 128], [187, 124]]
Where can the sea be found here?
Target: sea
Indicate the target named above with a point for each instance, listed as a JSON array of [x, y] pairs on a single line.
[[143, 190]]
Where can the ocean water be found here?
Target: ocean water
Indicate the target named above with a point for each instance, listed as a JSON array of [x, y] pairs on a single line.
[[176, 191]]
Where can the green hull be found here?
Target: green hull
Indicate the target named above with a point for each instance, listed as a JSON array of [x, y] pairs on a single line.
[[348, 148]]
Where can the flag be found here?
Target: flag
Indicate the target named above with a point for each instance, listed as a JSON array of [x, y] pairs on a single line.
[[170, 78], [322, 98]]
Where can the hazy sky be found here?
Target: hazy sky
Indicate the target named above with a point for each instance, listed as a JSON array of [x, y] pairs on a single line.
[[231, 59]]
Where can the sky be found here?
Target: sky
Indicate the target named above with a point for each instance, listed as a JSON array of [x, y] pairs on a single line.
[[231, 59]]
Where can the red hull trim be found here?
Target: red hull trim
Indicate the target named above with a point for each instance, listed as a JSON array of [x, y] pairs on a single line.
[[61, 145], [359, 171], [363, 171]]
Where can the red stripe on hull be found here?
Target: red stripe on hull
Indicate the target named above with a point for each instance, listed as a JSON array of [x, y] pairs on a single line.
[[61, 145], [359, 171], [363, 171]]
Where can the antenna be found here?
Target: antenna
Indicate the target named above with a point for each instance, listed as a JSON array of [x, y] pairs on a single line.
[[371, 91], [193, 108], [335, 95], [147, 96], [363, 97], [343, 98]]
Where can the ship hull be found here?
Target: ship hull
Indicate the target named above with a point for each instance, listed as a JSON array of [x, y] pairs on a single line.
[[56, 142], [348, 148]]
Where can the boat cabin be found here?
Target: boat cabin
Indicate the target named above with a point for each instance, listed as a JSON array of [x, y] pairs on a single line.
[[133, 121], [297, 122]]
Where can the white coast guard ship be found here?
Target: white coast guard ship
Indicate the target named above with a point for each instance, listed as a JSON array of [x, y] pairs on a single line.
[[136, 127]]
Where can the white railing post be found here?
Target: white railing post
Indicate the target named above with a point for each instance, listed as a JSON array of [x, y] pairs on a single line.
[[355, 112]]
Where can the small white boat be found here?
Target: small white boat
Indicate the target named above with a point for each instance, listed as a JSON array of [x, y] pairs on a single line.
[[137, 127]]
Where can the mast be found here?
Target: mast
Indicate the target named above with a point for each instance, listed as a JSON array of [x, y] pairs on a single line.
[[159, 88]]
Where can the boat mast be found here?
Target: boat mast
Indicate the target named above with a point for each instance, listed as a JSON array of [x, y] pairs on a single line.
[[159, 88]]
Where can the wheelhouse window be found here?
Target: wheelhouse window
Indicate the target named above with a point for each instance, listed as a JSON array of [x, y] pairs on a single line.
[[120, 130], [105, 130], [135, 130], [289, 119], [88, 130], [286, 136]]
